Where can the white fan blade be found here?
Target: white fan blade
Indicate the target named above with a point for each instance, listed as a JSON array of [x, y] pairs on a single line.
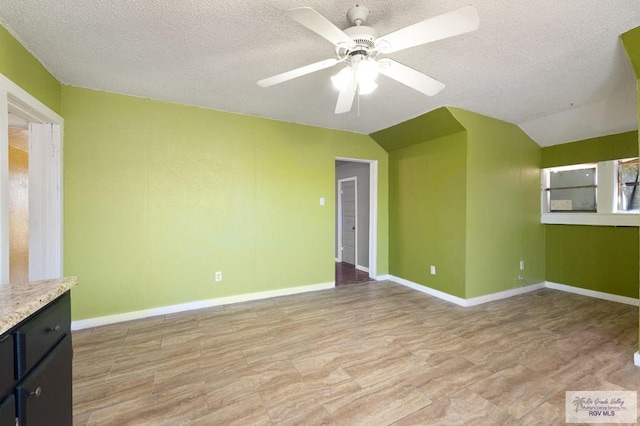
[[345, 98], [298, 72], [448, 24], [319, 24], [410, 77]]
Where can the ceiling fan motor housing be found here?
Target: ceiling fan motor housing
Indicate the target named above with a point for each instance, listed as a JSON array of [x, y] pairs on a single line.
[[363, 37], [363, 43]]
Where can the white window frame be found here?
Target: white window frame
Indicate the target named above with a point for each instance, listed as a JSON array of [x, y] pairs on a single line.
[[616, 167], [607, 213]]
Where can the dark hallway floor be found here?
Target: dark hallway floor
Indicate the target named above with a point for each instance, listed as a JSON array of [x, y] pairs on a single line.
[[348, 274]]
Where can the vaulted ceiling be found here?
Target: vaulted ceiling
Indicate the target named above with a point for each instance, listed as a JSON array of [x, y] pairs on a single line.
[[556, 68]]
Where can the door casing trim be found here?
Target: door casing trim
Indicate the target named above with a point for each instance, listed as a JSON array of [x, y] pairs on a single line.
[[373, 212], [17, 100]]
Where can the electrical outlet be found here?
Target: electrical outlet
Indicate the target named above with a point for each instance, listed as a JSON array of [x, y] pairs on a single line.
[[433, 270], [522, 265], [218, 276]]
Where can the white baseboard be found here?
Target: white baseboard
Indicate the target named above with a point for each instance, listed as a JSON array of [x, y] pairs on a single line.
[[592, 293], [428, 290], [338, 260], [512, 292], [383, 277], [636, 358], [362, 268], [504, 294], [200, 304], [474, 301]]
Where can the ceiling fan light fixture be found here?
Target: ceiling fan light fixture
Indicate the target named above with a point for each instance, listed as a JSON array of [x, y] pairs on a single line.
[[367, 70], [343, 78], [366, 86]]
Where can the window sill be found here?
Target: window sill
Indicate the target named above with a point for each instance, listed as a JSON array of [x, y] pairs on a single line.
[[595, 219]]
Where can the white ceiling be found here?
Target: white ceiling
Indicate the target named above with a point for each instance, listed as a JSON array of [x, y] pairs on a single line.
[[554, 67]]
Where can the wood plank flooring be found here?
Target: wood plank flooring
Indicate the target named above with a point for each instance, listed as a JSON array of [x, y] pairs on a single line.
[[363, 354]]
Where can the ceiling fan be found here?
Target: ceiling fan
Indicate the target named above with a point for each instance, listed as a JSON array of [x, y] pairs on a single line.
[[359, 47]]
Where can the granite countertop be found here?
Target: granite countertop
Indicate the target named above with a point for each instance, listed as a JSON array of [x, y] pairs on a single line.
[[19, 300]]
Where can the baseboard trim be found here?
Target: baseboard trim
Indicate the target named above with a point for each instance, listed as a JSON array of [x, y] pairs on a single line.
[[386, 277], [474, 301], [636, 358], [362, 268], [592, 293], [200, 304], [428, 290]]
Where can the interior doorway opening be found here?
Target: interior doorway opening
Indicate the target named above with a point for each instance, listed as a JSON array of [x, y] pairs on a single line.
[[355, 220], [39, 216]]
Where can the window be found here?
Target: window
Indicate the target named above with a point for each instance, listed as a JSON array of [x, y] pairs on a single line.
[[592, 194], [628, 185], [572, 189]]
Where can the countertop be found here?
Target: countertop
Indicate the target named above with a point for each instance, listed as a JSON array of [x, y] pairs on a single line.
[[19, 300]]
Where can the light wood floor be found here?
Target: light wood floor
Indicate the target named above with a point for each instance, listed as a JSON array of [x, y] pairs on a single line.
[[365, 354]]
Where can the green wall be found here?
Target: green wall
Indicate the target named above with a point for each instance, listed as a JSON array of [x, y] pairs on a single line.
[[603, 148], [427, 199], [600, 258], [503, 206], [467, 203], [159, 196], [631, 43], [436, 124], [19, 66]]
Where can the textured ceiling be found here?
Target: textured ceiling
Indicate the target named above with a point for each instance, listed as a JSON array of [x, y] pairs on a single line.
[[556, 68]]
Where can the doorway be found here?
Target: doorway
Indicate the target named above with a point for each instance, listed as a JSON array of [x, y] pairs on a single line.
[[355, 219], [38, 213]]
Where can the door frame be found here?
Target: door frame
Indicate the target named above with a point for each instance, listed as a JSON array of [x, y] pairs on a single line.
[[48, 213], [355, 187], [373, 212]]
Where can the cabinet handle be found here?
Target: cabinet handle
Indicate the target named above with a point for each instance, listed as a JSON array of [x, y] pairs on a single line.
[[36, 392], [55, 329]]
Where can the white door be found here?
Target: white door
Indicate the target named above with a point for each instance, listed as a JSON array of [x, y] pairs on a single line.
[[349, 220], [45, 195]]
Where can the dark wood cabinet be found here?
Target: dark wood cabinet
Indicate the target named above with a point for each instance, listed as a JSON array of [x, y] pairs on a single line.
[[39, 335], [36, 378], [44, 396]]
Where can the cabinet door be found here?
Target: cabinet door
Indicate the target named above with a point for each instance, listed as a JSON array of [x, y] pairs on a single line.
[[8, 412], [41, 333], [7, 380], [44, 396]]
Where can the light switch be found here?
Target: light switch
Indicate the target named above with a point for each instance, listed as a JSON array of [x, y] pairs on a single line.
[[322, 201]]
